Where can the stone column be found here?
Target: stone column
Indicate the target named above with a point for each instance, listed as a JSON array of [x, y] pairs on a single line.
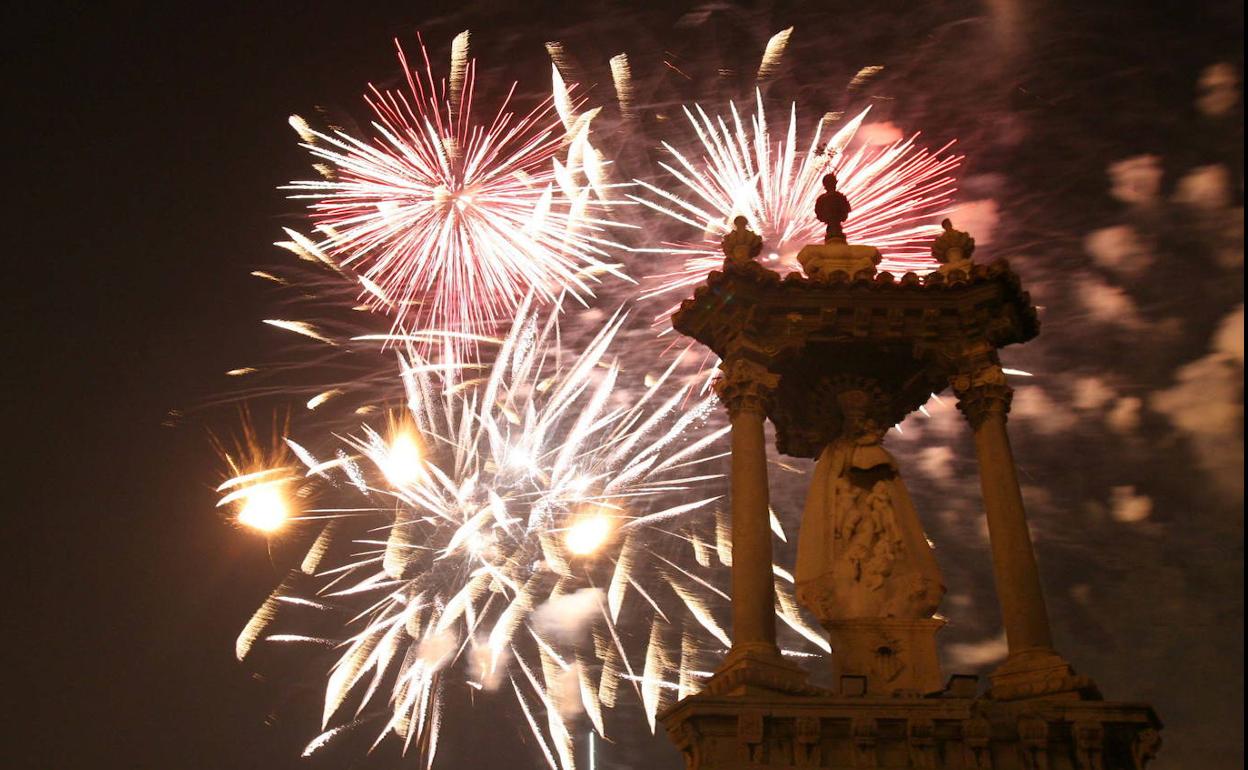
[[1032, 667], [984, 398], [745, 387]]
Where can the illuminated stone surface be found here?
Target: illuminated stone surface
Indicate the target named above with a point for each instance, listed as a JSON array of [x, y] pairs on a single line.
[[833, 359]]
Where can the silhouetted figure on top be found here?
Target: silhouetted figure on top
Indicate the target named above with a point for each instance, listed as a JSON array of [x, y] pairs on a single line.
[[832, 208], [742, 244]]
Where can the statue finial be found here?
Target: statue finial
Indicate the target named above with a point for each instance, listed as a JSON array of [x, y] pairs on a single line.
[[742, 244], [953, 248], [832, 208]]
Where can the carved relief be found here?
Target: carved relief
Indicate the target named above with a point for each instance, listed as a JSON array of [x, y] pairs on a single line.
[[745, 386], [922, 735], [750, 733], [1144, 747], [865, 734], [687, 739], [980, 383], [765, 733], [976, 742], [1033, 747], [1089, 745], [861, 550], [806, 752]]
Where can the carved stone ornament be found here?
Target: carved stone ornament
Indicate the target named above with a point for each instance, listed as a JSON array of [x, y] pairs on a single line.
[[1145, 747], [750, 727], [742, 244], [976, 739], [922, 735], [1037, 673], [862, 552], [687, 738], [982, 390], [953, 249], [1089, 745], [1033, 747], [750, 732], [745, 386], [808, 732], [865, 732], [781, 732], [822, 261]]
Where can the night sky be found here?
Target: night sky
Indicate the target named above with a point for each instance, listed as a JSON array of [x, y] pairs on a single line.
[[1104, 158]]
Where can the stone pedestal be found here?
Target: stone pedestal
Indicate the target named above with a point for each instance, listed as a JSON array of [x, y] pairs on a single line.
[[892, 656], [822, 260], [1040, 673], [936, 733]]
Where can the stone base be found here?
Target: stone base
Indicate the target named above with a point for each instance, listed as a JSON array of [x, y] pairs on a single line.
[[896, 656], [1040, 674], [821, 260], [759, 670], [777, 732]]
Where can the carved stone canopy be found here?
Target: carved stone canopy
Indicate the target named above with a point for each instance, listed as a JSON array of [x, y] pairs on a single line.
[[900, 339]]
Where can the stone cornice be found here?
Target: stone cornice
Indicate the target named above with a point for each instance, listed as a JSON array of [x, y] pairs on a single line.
[[906, 336], [748, 299]]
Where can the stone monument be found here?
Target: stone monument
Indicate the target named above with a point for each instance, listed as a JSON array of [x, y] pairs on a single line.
[[834, 358]]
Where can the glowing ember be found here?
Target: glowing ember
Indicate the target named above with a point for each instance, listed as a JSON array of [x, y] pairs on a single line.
[[401, 462], [587, 534], [264, 508]]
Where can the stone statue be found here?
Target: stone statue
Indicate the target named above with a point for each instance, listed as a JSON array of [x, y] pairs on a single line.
[[820, 260], [861, 550], [742, 244], [953, 249], [832, 208]]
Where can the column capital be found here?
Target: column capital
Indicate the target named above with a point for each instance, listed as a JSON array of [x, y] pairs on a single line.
[[976, 377], [744, 385], [982, 392]]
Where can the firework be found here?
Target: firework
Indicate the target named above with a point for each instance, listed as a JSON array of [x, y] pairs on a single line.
[[898, 191], [531, 522], [509, 522], [449, 222], [263, 483]]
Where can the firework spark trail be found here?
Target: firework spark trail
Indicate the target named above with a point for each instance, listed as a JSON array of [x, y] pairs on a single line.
[[503, 505], [450, 222], [543, 479], [774, 54], [898, 192], [622, 77]]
